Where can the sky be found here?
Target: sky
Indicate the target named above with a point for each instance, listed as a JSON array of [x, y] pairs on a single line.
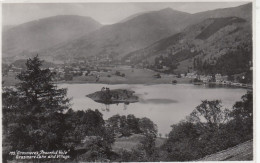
[[105, 13]]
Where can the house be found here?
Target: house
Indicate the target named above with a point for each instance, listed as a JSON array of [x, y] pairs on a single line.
[[218, 78], [205, 78], [191, 75], [60, 70], [221, 79]]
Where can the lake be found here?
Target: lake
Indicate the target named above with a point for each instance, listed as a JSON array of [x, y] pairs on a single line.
[[164, 104]]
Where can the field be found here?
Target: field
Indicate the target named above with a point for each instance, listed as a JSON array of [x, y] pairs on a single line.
[[128, 143], [9, 80], [132, 76]]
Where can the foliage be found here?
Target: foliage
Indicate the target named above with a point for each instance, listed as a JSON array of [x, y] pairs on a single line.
[[243, 110], [126, 126], [147, 126], [233, 62], [182, 142], [35, 118], [34, 109], [5, 69], [172, 61], [119, 74], [209, 113], [210, 129], [144, 152], [148, 144], [86, 132], [157, 75], [242, 116], [106, 95], [174, 82], [196, 80]]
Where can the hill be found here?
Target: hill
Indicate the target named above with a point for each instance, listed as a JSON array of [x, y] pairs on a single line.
[[121, 38], [21, 63], [242, 11], [7, 27], [206, 41], [241, 152], [44, 33], [217, 24]]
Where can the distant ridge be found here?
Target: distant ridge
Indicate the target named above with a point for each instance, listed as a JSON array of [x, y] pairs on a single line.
[[243, 11], [119, 39], [131, 17], [46, 32]]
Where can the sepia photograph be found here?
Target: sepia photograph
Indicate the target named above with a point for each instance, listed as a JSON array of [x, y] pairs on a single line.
[[128, 81]]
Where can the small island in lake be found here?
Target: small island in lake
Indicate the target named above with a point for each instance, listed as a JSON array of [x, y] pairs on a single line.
[[107, 96]]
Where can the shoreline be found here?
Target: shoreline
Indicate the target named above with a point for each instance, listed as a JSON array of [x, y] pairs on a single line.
[[154, 83]]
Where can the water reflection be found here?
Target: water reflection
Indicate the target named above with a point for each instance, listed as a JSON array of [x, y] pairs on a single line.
[[213, 85], [158, 101], [106, 107]]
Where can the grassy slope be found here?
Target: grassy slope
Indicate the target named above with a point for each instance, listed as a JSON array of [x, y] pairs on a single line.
[[241, 152], [9, 80], [128, 143]]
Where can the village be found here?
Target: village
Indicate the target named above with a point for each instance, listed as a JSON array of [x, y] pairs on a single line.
[[218, 79]]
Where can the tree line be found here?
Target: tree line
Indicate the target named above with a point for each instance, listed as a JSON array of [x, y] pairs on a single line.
[[234, 62]]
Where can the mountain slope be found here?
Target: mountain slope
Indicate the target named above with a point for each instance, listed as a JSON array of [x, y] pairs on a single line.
[[119, 39], [206, 40], [217, 24], [6, 27], [243, 11], [138, 31], [44, 33]]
